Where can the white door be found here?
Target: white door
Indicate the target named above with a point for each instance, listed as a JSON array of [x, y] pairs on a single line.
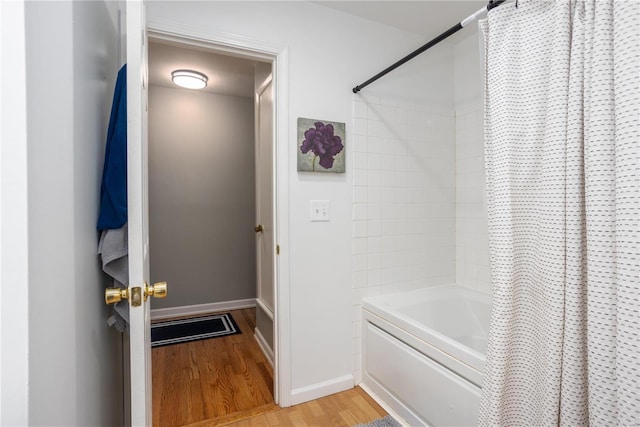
[[137, 198], [265, 231], [264, 194]]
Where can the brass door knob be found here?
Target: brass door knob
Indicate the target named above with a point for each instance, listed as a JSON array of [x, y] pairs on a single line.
[[157, 290], [114, 295], [259, 228]]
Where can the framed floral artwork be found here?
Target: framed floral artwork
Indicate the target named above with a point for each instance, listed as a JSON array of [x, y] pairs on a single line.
[[321, 146]]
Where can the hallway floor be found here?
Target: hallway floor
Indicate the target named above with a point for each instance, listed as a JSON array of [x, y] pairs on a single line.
[[228, 381], [215, 379]]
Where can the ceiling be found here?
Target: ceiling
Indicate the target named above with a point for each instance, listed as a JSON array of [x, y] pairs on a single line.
[[227, 75], [235, 76], [425, 17]]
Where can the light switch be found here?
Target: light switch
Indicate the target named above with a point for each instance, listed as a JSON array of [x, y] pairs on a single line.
[[320, 210]]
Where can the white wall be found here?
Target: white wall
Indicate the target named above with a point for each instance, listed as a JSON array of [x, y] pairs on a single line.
[[201, 196], [14, 274], [75, 360], [329, 53], [472, 232]]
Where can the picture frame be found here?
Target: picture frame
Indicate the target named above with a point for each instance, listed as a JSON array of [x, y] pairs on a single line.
[[321, 146]]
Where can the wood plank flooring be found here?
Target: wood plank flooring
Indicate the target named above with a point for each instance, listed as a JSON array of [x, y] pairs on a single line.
[[208, 379], [228, 381], [344, 409]]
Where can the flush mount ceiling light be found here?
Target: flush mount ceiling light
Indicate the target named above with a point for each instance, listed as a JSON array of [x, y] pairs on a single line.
[[189, 79]]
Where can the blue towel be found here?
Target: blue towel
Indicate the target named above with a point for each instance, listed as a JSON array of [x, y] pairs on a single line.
[[113, 192]]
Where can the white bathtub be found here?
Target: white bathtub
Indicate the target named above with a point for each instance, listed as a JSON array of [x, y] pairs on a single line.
[[423, 353]]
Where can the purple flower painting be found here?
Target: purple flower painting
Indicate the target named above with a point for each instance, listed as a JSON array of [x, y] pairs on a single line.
[[321, 145]]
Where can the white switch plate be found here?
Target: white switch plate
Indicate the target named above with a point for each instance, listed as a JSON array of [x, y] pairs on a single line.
[[320, 210]]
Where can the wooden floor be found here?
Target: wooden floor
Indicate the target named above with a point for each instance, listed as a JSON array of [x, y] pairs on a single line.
[[228, 381], [211, 379], [345, 409]]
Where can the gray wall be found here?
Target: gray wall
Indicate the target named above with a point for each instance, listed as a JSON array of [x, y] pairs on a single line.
[[201, 196], [75, 360]]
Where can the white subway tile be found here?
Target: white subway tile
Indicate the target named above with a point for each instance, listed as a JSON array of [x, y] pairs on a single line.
[[387, 194], [360, 126], [390, 101], [360, 194], [375, 144], [400, 179], [360, 262], [359, 294], [356, 343], [359, 228], [374, 244], [386, 210], [357, 373], [374, 194], [415, 168], [387, 241], [359, 110], [374, 291], [389, 289], [375, 178], [360, 279], [374, 211], [359, 245], [360, 143], [360, 177], [400, 196], [402, 114], [373, 279], [374, 228], [368, 98], [373, 261], [360, 160], [387, 277], [374, 128], [359, 212], [375, 161], [387, 261]]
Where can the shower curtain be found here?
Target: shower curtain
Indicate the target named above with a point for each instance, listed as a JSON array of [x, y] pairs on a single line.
[[561, 136]]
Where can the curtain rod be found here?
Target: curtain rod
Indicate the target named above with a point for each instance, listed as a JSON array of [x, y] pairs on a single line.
[[460, 25]]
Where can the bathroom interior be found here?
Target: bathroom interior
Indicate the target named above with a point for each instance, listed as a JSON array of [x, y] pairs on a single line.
[[409, 229], [501, 165], [419, 212]]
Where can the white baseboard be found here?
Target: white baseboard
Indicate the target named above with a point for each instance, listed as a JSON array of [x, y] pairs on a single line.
[[190, 310], [325, 388], [384, 405], [264, 346]]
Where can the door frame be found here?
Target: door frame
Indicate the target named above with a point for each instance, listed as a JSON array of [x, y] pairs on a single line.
[[278, 55]]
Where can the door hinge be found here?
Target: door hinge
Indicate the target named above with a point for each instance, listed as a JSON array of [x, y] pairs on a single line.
[[277, 249]]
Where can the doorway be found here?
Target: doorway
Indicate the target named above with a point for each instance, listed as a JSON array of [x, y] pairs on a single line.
[[208, 192]]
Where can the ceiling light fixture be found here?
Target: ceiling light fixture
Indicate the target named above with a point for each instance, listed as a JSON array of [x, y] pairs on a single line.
[[189, 79]]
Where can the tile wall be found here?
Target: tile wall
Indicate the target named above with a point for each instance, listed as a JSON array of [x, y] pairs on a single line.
[[404, 212], [472, 231]]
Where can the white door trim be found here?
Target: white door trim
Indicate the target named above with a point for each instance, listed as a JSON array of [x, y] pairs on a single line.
[[279, 55]]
